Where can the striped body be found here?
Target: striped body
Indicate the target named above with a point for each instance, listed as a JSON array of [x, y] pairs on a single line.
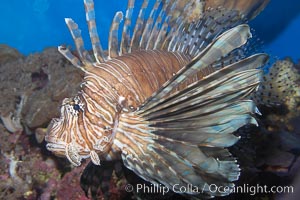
[[109, 88], [165, 100], [136, 76]]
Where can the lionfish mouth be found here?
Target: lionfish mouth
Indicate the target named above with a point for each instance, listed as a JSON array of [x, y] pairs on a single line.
[[54, 144]]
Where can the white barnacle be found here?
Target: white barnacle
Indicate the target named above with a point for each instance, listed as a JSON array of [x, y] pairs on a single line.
[[73, 155]]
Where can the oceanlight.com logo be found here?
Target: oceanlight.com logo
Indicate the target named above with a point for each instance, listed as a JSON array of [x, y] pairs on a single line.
[[212, 188]]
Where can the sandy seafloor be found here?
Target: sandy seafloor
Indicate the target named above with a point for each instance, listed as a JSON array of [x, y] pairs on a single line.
[[34, 28]]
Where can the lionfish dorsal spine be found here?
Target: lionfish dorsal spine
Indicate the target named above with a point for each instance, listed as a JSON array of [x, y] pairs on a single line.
[[113, 43], [148, 27], [91, 21], [156, 28], [163, 37], [73, 59], [155, 32], [138, 27], [125, 41], [76, 35], [175, 40]]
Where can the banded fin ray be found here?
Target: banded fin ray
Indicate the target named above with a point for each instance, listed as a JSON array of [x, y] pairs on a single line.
[[148, 26], [138, 29], [182, 141], [113, 36], [154, 32], [198, 35], [91, 21], [161, 159], [222, 84], [125, 41], [224, 44], [76, 34]]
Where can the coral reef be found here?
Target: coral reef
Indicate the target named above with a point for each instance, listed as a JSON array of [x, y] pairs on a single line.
[[248, 8], [25, 172], [31, 90], [33, 86], [281, 87], [69, 185], [30, 172], [272, 150], [8, 54], [196, 8], [106, 181]]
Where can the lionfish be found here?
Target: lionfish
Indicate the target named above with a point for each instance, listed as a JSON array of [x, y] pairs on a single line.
[[164, 99]]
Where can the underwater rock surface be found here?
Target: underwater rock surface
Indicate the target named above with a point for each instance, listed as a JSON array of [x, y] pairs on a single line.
[[33, 87], [28, 170], [248, 9]]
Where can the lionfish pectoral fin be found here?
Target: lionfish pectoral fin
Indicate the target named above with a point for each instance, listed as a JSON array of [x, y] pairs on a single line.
[[174, 163], [181, 137], [221, 46], [227, 85]]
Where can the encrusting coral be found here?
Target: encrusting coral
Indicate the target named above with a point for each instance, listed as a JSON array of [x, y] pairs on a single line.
[[273, 148], [280, 86]]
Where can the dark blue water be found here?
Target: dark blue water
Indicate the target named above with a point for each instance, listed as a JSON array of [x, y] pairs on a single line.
[[32, 25]]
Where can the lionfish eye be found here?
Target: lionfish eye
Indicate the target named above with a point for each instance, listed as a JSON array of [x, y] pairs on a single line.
[[76, 107]]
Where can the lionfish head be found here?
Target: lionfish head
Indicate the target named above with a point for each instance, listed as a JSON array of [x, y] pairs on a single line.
[[69, 136]]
